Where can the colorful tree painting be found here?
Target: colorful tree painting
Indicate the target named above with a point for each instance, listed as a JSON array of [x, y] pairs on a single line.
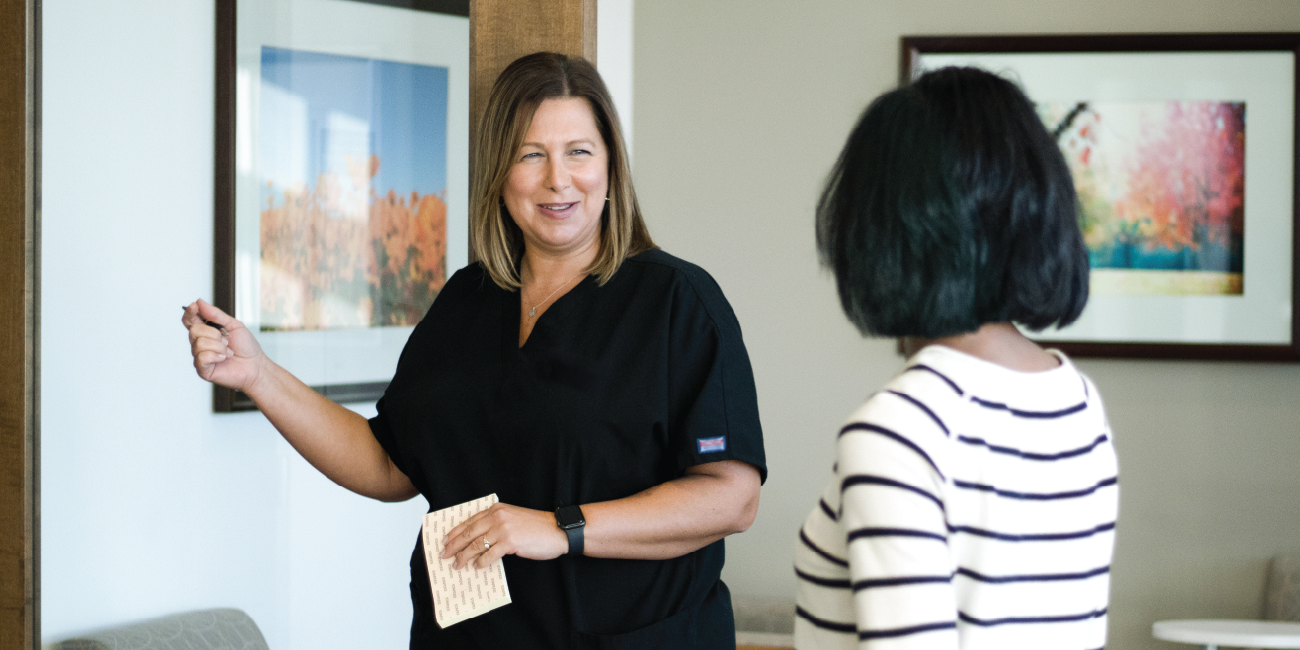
[[338, 255], [1162, 192], [346, 242]]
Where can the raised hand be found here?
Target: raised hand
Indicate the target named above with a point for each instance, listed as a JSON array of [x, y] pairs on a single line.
[[226, 354]]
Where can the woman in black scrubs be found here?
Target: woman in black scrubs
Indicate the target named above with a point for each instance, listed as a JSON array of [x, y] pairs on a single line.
[[590, 380]]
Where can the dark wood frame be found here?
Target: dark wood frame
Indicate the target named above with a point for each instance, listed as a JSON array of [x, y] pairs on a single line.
[[20, 188], [225, 400], [913, 46]]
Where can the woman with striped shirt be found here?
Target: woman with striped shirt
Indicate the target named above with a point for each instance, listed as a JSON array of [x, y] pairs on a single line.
[[974, 498]]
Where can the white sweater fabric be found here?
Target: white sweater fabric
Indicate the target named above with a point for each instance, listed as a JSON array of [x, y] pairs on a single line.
[[972, 506]]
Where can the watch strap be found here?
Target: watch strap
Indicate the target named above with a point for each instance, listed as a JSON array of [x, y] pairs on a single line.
[[571, 521], [575, 539]]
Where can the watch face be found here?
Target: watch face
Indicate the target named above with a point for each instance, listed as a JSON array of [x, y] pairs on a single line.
[[569, 517]]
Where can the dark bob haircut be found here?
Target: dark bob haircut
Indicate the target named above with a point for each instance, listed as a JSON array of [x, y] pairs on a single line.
[[950, 207]]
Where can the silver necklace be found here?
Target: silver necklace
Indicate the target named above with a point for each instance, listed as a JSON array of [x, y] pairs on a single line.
[[533, 312]]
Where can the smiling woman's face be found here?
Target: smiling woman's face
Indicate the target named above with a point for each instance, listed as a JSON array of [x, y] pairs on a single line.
[[556, 188]]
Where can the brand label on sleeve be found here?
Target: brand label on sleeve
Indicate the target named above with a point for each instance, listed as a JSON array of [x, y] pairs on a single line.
[[710, 445]]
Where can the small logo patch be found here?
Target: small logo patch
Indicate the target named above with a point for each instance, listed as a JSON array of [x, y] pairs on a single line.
[[710, 445]]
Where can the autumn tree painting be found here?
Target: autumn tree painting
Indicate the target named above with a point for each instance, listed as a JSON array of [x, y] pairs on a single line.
[[352, 160], [1162, 192], [333, 258]]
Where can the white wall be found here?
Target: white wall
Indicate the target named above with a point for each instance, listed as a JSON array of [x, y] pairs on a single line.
[[614, 58], [152, 504], [741, 108]]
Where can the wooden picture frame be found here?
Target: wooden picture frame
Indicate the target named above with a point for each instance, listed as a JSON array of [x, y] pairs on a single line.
[[421, 47], [1234, 295]]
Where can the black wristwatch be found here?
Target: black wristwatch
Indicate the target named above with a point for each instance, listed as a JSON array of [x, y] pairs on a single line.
[[570, 520]]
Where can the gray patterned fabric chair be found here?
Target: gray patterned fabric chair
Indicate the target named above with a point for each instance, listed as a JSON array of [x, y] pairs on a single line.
[[1282, 595], [211, 629]]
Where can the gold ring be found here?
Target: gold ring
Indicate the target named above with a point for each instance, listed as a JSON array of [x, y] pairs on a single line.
[[486, 545]]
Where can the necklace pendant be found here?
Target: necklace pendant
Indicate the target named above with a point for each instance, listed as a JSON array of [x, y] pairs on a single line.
[[532, 312]]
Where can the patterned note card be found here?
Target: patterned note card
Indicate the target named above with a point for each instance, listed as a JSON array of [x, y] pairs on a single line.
[[467, 592]]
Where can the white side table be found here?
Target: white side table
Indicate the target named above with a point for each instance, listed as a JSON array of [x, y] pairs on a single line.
[[1212, 633]]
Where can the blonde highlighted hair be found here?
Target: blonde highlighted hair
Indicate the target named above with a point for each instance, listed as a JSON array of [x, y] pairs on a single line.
[[496, 241]]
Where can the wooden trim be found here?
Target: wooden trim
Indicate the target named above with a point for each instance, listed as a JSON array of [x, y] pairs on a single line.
[[342, 393], [1167, 42], [501, 31], [225, 400], [19, 327]]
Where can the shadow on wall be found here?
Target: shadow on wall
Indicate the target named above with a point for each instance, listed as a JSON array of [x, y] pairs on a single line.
[[1282, 595]]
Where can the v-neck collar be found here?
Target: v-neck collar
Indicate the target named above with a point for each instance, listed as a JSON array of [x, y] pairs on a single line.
[[512, 313]]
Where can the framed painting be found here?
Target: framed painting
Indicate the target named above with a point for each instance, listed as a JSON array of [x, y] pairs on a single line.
[[341, 181], [1183, 149]]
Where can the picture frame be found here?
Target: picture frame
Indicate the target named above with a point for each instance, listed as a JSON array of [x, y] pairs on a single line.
[[341, 180], [1188, 182]]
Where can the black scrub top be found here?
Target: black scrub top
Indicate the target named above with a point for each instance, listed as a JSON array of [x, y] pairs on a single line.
[[619, 388]]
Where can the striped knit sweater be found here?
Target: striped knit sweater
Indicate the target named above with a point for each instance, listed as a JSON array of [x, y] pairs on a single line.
[[972, 507]]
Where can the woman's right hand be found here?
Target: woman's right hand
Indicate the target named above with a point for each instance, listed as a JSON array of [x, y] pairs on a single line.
[[228, 356]]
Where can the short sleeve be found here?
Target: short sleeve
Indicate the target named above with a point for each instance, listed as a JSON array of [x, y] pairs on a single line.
[[383, 432], [451, 298], [714, 405]]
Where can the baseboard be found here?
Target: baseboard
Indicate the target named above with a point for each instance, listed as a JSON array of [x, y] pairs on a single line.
[[765, 639]]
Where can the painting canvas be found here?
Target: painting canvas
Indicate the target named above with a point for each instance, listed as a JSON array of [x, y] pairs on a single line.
[[353, 164], [342, 181], [1161, 190], [1183, 150]]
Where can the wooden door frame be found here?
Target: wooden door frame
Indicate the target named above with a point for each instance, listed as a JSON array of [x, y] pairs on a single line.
[[20, 88], [501, 31]]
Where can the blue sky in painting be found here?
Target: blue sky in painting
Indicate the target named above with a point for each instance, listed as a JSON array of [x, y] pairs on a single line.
[[315, 109]]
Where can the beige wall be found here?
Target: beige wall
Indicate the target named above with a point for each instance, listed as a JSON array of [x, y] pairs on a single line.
[[741, 108]]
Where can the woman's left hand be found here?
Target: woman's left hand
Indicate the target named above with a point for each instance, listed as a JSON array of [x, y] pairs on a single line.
[[507, 530]]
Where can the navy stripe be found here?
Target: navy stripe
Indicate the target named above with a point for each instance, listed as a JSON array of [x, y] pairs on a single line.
[[864, 479], [894, 532], [1042, 415], [925, 408], [1041, 537], [1036, 496], [1046, 577], [816, 549], [901, 581], [835, 583], [904, 631], [990, 622], [940, 375], [827, 509], [1028, 455], [825, 624], [863, 426]]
